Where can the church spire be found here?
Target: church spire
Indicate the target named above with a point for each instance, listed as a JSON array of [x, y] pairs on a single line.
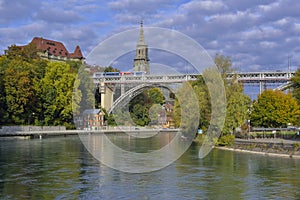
[[141, 38], [141, 61]]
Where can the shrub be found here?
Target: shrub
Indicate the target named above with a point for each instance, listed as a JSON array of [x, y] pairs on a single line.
[[226, 140]]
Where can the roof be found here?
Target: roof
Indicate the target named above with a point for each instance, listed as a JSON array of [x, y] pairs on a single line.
[[56, 48], [91, 111]]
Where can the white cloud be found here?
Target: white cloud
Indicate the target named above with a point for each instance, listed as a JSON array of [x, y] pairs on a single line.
[[269, 7], [57, 15], [267, 44], [251, 32], [198, 6]]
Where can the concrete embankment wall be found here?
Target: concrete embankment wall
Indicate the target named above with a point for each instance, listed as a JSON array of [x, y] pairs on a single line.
[[291, 148], [13, 129]]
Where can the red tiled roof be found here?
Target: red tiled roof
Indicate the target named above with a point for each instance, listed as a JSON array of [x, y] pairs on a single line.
[[56, 48], [77, 53]]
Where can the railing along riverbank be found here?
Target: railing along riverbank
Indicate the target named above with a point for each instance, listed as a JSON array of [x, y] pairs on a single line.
[[268, 147], [49, 133]]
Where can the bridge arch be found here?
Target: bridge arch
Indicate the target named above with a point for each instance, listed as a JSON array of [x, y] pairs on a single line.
[[284, 86], [125, 98]]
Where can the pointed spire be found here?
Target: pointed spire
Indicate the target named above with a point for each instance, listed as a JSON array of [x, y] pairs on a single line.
[[141, 38]]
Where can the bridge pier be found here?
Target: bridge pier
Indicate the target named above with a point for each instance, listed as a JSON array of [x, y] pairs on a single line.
[[262, 86], [122, 89], [106, 96]]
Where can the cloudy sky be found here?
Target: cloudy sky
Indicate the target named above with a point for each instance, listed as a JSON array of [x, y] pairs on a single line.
[[258, 35]]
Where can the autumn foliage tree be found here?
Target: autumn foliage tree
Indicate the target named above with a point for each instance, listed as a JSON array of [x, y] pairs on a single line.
[[34, 91], [275, 109]]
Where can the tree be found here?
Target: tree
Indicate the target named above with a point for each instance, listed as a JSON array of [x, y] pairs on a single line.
[[203, 97], [3, 106], [155, 95], [140, 105], [186, 110], [20, 71], [19, 82], [85, 92], [238, 105], [56, 90], [296, 85], [224, 65], [274, 109], [26, 53], [111, 69]]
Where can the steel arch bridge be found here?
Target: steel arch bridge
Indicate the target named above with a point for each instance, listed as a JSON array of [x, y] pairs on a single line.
[[125, 98], [143, 82]]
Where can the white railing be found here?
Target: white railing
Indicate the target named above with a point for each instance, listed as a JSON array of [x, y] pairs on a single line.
[[245, 77]]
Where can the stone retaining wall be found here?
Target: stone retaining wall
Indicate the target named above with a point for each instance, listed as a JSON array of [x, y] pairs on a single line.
[[269, 147]]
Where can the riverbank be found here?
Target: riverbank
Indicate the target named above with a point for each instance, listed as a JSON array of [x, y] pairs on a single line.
[[135, 132], [267, 147]]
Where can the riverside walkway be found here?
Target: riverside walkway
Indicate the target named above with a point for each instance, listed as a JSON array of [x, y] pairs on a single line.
[[268, 140], [41, 134]]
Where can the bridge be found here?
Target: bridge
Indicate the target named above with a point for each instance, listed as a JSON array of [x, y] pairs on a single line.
[[137, 83], [244, 77]]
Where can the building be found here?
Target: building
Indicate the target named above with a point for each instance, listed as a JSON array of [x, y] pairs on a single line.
[[141, 61], [92, 119], [56, 51], [169, 122]]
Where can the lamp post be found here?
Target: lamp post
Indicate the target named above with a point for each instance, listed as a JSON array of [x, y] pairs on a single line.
[[248, 129], [33, 118]]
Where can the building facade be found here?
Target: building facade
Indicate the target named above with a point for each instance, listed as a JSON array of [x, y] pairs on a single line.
[[91, 119], [56, 51]]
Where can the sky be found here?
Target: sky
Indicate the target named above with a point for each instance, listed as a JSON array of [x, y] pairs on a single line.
[[258, 35]]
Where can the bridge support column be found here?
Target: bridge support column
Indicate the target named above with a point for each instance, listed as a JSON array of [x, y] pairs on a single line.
[[106, 96], [122, 89], [262, 86]]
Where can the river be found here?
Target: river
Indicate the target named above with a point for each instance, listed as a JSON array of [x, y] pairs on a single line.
[[62, 168]]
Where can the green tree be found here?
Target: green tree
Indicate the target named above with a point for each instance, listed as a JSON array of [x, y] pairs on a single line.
[[224, 65], [19, 83], [3, 107], [140, 105], [20, 71], [186, 110], [86, 92], [274, 109], [155, 96], [203, 97], [26, 53], [296, 85], [111, 69], [238, 105], [56, 90]]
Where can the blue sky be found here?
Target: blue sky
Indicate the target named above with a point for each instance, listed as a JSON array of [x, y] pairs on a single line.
[[258, 35]]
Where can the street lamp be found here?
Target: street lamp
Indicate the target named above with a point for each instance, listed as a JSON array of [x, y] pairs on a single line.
[[248, 128]]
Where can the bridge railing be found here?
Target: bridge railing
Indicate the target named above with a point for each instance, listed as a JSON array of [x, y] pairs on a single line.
[[245, 77]]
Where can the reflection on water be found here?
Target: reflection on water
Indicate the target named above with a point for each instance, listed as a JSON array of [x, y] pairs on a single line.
[[136, 155], [61, 168]]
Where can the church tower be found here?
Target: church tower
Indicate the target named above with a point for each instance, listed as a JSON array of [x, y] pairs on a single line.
[[141, 61]]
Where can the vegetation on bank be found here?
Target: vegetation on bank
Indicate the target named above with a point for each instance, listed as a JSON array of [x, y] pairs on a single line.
[[34, 91], [38, 92]]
